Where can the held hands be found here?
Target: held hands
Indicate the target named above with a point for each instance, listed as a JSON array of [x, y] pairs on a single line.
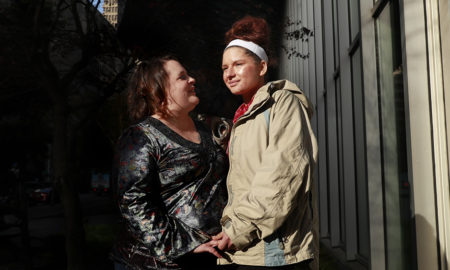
[[218, 243], [208, 247], [224, 242]]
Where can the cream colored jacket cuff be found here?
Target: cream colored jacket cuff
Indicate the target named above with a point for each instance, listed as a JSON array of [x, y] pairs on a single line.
[[240, 233]]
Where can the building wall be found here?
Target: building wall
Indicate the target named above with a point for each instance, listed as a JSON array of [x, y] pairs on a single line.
[[111, 11], [376, 72], [425, 50]]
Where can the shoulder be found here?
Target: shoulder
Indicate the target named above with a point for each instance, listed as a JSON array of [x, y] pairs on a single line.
[[285, 98], [283, 89], [287, 92], [282, 85], [206, 132], [135, 134], [286, 103], [201, 125]]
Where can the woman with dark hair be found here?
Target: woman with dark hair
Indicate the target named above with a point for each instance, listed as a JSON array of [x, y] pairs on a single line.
[[270, 221], [170, 175]]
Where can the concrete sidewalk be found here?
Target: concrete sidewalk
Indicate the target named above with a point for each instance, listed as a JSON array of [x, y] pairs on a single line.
[[46, 225]]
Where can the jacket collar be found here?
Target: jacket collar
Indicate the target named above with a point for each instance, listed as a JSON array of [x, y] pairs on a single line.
[[264, 94], [261, 97]]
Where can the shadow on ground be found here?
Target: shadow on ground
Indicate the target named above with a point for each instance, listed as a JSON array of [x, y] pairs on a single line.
[[46, 242]]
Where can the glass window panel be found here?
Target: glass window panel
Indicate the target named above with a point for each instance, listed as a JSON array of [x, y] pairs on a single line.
[[336, 34], [333, 166], [354, 18], [396, 184], [360, 152], [340, 160]]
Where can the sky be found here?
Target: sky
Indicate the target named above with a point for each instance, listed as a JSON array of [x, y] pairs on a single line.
[[100, 7]]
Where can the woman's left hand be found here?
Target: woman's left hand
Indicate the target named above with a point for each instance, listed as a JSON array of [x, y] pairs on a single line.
[[208, 247]]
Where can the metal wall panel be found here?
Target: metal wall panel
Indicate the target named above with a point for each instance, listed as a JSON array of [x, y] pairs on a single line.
[[420, 141], [347, 132], [331, 116], [373, 146], [321, 120], [444, 189]]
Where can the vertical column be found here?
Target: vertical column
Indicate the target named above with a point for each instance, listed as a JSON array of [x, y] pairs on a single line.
[[347, 132], [331, 116], [292, 70], [372, 123], [444, 14], [419, 143], [304, 62], [298, 44], [322, 175], [438, 23]]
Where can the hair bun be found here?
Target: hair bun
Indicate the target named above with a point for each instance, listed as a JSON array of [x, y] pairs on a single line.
[[251, 29]]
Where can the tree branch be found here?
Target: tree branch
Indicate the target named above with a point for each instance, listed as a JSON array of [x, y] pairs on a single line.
[[109, 90]]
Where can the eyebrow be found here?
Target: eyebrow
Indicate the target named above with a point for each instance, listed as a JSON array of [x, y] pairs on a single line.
[[233, 62]]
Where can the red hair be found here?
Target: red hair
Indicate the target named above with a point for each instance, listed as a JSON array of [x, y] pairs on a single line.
[[252, 29]]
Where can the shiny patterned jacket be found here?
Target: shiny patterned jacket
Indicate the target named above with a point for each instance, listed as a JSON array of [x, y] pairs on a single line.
[[171, 193]]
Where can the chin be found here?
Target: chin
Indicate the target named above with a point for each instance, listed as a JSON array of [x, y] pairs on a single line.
[[238, 92], [234, 90], [194, 103]]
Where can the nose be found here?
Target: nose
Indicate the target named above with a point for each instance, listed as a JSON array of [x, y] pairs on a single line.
[[229, 73], [191, 80]]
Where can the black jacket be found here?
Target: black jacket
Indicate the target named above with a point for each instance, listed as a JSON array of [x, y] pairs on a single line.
[[171, 193]]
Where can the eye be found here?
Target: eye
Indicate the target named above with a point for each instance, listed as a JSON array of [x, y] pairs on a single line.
[[224, 68], [182, 77]]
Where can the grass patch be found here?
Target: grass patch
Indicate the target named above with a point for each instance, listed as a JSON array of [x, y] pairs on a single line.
[[101, 234], [99, 241]]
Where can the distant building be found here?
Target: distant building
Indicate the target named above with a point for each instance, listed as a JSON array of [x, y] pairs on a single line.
[[111, 11]]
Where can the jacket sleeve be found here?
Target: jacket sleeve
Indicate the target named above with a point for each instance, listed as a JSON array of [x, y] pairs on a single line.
[[140, 202], [281, 182]]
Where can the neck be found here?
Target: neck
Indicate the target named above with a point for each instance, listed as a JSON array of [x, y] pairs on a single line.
[[249, 95], [176, 119], [181, 124]]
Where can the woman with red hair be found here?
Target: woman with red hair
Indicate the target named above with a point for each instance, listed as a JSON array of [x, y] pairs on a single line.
[[270, 221]]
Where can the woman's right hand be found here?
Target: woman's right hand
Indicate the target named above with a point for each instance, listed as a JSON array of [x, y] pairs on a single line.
[[208, 247], [223, 241]]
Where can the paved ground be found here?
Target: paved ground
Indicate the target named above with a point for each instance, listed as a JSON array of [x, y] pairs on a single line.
[[46, 231]]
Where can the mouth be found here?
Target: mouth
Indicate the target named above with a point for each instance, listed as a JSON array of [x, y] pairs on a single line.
[[232, 83]]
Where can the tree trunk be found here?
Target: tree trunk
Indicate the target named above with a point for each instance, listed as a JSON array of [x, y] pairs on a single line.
[[68, 191]]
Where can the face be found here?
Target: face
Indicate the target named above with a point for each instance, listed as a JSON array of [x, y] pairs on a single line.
[[181, 95], [241, 74]]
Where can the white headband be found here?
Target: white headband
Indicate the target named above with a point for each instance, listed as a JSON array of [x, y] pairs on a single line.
[[251, 46]]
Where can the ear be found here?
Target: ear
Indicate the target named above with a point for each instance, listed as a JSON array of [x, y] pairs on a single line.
[[263, 65]]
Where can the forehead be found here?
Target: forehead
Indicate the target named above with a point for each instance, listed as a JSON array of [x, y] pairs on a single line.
[[235, 53], [173, 67]]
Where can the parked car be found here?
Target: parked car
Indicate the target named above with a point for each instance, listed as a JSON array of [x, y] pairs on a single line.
[[40, 192], [100, 183]]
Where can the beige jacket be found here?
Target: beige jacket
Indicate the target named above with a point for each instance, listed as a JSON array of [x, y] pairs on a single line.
[[271, 214]]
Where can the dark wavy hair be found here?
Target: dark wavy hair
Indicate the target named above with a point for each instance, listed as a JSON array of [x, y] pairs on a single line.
[[252, 29], [146, 93]]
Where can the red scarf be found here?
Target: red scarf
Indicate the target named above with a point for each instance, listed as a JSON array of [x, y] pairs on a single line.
[[241, 110]]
